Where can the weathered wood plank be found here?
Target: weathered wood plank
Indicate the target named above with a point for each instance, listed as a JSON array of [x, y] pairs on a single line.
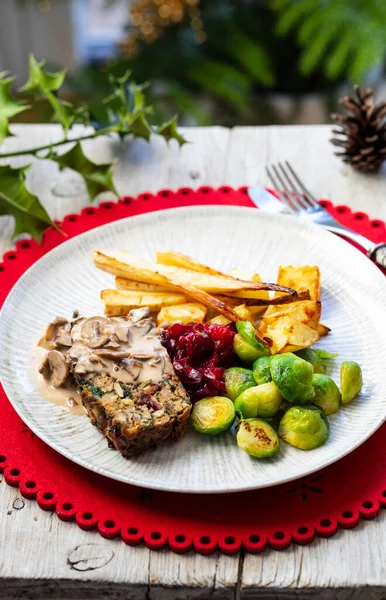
[[351, 560], [45, 548]]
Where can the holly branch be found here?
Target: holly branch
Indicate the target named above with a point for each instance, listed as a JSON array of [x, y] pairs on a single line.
[[124, 112]]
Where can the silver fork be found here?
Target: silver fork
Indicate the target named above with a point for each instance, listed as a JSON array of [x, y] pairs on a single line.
[[298, 200]]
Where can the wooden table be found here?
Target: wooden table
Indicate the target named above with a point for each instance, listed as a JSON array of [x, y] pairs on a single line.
[[42, 557]]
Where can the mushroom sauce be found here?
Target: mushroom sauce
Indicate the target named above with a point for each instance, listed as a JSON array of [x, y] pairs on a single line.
[[125, 348], [66, 396]]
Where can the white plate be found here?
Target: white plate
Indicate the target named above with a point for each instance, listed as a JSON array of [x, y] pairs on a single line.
[[353, 298]]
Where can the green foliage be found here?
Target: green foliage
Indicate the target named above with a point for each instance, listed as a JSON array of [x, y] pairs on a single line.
[[224, 79], [98, 177], [169, 131], [346, 37], [42, 84], [124, 111], [40, 81], [9, 106], [16, 200], [252, 55]]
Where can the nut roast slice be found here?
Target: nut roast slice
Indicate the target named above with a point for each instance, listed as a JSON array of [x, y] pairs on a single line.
[[124, 375]]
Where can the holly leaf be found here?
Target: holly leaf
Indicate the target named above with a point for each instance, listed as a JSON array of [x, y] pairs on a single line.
[[9, 106], [135, 97], [140, 127], [63, 111], [16, 200], [125, 111], [43, 83], [98, 177], [169, 131]]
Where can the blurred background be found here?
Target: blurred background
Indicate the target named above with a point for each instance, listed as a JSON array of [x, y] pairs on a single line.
[[223, 62]]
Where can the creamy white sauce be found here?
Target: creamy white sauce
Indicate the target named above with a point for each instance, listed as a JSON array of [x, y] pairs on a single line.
[[128, 349], [68, 397], [141, 355]]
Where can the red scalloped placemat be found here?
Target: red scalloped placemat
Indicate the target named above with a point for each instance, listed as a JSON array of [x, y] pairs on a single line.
[[353, 488]]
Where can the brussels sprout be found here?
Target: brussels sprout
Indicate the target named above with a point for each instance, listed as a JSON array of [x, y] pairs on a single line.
[[213, 415], [350, 380], [305, 427], [237, 380], [248, 333], [257, 438], [261, 370], [317, 358], [327, 394], [245, 351], [259, 401], [293, 377], [313, 358]]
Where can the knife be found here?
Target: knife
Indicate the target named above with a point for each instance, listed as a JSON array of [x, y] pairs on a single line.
[[266, 201]]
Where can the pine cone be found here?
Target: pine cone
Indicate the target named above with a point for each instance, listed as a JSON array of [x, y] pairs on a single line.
[[362, 131]]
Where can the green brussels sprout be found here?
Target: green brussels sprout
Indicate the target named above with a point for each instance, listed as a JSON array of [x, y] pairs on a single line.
[[257, 438], [245, 351], [237, 380], [248, 333], [259, 401], [350, 380], [245, 344], [293, 376], [317, 358], [327, 394], [313, 358], [213, 415], [305, 427], [261, 370]]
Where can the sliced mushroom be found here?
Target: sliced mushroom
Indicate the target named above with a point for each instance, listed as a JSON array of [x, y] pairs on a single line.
[[113, 343], [53, 328], [138, 314], [78, 321], [84, 364], [143, 327], [113, 354], [133, 367], [59, 368], [76, 329], [158, 362], [76, 351], [54, 368], [42, 343], [143, 356], [90, 363], [122, 332], [64, 339], [94, 359], [44, 368], [94, 331]]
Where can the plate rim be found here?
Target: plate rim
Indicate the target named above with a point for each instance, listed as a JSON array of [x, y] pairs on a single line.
[[143, 217]]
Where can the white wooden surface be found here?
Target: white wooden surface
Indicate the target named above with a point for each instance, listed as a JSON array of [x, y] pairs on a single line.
[[42, 557]]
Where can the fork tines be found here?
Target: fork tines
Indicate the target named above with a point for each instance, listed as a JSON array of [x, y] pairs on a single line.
[[290, 188]]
